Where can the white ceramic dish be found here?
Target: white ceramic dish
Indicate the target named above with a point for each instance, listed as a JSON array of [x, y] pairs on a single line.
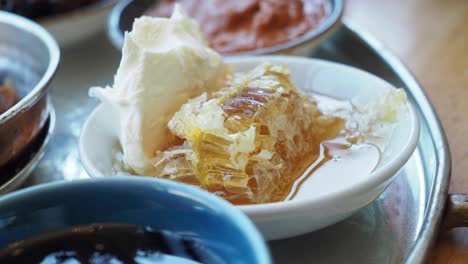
[[77, 25], [331, 199]]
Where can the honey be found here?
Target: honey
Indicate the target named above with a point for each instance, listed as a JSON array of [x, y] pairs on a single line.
[[258, 139], [339, 165], [270, 134]]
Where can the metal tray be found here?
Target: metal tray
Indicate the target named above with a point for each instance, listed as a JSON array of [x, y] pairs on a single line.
[[398, 227]]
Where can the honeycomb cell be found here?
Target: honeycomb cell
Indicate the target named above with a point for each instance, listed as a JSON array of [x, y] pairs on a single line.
[[249, 141]]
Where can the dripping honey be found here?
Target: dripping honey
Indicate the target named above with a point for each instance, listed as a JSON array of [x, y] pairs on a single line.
[[297, 171], [291, 140]]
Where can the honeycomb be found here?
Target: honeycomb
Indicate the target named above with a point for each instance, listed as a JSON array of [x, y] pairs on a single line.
[[249, 141]]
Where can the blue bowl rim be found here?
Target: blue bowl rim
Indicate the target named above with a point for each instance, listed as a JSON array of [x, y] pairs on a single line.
[[260, 249]]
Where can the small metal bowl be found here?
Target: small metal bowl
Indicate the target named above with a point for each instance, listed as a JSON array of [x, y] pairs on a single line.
[[124, 13], [29, 58]]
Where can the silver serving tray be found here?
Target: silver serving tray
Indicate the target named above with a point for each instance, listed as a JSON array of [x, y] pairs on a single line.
[[399, 226]]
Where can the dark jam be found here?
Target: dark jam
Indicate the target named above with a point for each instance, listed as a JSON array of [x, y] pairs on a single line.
[[108, 244]]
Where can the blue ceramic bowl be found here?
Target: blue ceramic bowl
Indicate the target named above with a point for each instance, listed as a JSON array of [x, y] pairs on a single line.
[[133, 200]]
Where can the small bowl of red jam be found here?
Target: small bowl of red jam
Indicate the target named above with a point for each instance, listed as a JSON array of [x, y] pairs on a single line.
[[247, 27], [68, 21]]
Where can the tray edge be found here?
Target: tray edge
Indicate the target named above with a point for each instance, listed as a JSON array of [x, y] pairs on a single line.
[[438, 195]]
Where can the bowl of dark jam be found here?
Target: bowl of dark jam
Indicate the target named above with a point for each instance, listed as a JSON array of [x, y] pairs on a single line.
[[124, 219]]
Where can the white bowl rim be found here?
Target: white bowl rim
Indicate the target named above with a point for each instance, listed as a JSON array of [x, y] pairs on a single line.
[[380, 175]]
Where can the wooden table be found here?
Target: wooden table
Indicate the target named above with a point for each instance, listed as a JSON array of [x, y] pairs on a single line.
[[431, 38]]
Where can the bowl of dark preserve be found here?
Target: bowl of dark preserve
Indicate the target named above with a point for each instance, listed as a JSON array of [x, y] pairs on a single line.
[[124, 219]]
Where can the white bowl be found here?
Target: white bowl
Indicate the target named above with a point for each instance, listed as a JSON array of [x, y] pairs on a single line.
[[331, 198], [77, 25]]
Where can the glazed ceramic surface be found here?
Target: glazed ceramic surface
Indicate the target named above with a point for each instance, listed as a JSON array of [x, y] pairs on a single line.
[[158, 203]]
